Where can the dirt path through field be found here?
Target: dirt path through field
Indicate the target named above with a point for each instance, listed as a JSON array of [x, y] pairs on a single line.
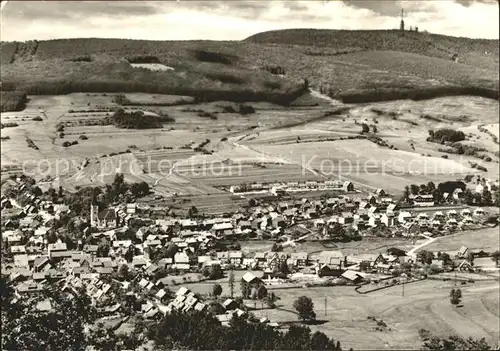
[[418, 247]]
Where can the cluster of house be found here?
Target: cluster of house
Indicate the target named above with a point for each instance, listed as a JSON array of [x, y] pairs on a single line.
[[478, 184], [278, 188]]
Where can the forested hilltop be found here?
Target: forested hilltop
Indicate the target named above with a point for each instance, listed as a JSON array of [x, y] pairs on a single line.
[[277, 66]]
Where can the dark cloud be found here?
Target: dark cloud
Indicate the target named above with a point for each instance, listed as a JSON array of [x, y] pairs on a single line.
[[384, 8], [247, 9], [468, 3], [295, 6], [76, 9]]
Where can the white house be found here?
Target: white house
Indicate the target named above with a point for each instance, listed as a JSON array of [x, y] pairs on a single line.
[[479, 212], [465, 212], [422, 200], [479, 188], [404, 217]]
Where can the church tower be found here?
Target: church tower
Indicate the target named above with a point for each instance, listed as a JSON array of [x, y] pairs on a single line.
[[402, 25], [94, 211]]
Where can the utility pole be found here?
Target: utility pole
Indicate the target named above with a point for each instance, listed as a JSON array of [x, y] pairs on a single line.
[[402, 24], [325, 304]]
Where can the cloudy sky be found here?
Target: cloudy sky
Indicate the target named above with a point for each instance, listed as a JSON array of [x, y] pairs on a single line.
[[235, 20]]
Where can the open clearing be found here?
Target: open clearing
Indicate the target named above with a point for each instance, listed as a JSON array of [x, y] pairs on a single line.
[[485, 239], [424, 305], [367, 245]]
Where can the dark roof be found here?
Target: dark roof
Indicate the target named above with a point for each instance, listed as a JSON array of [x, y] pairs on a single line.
[[107, 214]]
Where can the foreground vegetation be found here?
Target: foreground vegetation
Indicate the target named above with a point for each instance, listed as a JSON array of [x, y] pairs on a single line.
[[13, 101]]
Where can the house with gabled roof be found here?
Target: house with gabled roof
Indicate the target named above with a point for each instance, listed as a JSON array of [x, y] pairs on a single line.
[[235, 257], [352, 276], [251, 279], [329, 257]]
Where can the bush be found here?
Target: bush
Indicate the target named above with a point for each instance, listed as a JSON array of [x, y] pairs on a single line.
[[85, 58], [445, 134], [137, 120], [228, 109], [214, 57], [143, 59], [210, 115], [246, 109], [83, 137], [9, 125], [37, 119]]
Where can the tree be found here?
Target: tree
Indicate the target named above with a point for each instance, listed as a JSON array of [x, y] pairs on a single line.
[[271, 300], [61, 328], [486, 197], [470, 258], [305, 308], [193, 212], [171, 250], [452, 343], [406, 194], [495, 256], [374, 129], [215, 272], [276, 247], [496, 197], [245, 289], [468, 197], [365, 128], [217, 290], [445, 257], [231, 283], [425, 257], [415, 189], [284, 268], [261, 292], [103, 248], [455, 296], [124, 272]]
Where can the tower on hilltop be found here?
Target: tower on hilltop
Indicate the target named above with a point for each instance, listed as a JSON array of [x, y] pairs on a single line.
[[402, 25]]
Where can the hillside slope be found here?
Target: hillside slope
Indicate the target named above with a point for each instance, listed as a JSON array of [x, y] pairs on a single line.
[[357, 66], [481, 53]]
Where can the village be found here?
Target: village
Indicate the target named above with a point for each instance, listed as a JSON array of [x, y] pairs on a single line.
[[127, 261]]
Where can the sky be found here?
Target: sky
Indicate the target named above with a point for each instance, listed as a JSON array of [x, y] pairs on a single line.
[[236, 20]]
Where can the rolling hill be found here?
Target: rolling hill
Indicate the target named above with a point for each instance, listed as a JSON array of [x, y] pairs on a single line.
[[277, 66], [481, 53]]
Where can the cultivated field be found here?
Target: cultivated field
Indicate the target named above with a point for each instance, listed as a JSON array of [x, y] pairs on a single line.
[[273, 144]]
